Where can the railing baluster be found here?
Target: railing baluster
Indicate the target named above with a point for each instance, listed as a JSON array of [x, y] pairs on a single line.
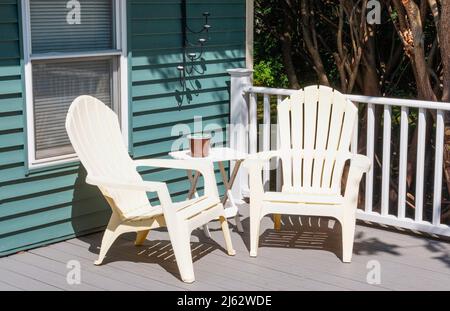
[[403, 162], [279, 176], [355, 138], [266, 141], [370, 154], [266, 138], [420, 179], [386, 176], [253, 129], [439, 162]]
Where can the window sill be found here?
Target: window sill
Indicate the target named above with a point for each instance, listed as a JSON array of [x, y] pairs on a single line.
[[52, 167]]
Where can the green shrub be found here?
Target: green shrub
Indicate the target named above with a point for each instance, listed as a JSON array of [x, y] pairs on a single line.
[[270, 73]]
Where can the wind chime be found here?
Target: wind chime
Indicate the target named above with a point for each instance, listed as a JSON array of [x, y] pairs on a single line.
[[192, 55]]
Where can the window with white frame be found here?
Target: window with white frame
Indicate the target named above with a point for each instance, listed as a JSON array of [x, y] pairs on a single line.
[[72, 48]]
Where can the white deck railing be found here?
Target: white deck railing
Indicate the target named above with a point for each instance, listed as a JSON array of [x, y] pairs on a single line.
[[244, 113]]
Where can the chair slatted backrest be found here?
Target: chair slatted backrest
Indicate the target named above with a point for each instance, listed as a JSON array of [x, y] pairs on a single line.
[[94, 132], [316, 127]]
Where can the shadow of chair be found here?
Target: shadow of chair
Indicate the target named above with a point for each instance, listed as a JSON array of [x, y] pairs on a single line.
[[316, 233], [154, 252], [92, 214], [299, 232]]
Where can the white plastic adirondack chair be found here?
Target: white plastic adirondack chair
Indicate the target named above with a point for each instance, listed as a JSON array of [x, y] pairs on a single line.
[[316, 126], [95, 134]]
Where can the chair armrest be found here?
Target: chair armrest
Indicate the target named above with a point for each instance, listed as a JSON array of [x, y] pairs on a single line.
[[255, 164], [358, 166], [148, 186], [361, 162], [206, 168], [193, 164]]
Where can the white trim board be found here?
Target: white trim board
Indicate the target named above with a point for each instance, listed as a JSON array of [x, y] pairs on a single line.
[[249, 36], [405, 223]]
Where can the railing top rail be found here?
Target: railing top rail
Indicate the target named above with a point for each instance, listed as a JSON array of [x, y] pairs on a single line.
[[268, 91], [410, 103]]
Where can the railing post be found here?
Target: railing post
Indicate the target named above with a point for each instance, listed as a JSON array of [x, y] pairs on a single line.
[[239, 121]]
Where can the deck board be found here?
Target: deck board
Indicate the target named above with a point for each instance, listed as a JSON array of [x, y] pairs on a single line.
[[23, 282], [49, 268], [305, 255], [41, 275]]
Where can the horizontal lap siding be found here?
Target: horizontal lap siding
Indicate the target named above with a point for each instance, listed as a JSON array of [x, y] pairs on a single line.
[[42, 207], [155, 46], [56, 204], [33, 209], [37, 208]]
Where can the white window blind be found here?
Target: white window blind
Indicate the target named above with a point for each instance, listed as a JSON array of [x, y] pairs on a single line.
[[56, 85], [72, 52], [54, 27]]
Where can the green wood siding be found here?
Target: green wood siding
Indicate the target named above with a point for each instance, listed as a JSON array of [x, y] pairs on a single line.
[[38, 208], [155, 44]]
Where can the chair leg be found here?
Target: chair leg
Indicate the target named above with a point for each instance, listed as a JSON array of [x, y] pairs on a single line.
[[141, 237], [227, 236], [255, 223], [239, 226], [277, 222], [181, 245], [348, 238], [206, 231], [111, 234]]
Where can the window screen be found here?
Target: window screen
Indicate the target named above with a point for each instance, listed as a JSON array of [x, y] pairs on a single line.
[[55, 85]]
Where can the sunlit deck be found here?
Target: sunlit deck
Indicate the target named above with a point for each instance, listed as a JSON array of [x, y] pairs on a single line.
[[305, 255]]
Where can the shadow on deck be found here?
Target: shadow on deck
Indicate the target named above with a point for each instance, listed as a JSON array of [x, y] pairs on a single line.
[[304, 255]]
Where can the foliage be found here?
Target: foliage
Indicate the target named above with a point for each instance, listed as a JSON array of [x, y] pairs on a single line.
[[270, 73], [329, 42]]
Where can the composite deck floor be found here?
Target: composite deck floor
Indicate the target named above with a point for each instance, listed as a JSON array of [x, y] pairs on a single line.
[[305, 255]]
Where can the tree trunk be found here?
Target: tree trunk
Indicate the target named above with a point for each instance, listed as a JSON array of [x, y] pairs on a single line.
[[444, 29], [313, 50], [418, 58], [445, 48], [286, 45], [369, 65]]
